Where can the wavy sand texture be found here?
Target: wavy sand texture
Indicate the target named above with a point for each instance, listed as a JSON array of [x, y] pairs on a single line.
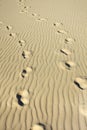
[[55, 99]]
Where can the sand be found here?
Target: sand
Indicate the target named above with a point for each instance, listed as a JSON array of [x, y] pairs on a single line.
[[43, 65]]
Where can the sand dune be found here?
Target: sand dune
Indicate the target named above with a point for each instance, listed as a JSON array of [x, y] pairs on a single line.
[[43, 65]]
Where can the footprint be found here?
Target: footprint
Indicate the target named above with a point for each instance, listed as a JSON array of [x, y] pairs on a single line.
[[57, 24], [41, 126], [69, 64], [62, 31], [12, 34], [42, 19], [25, 8], [26, 54], [69, 40], [38, 126], [65, 51], [23, 97], [81, 83], [9, 27], [66, 65], [21, 12], [34, 14], [21, 42], [25, 72]]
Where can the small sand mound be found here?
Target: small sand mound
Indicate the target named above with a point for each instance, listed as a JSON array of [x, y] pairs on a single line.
[[29, 69], [81, 82], [23, 93]]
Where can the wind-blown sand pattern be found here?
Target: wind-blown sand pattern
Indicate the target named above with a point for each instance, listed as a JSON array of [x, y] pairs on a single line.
[[37, 85]]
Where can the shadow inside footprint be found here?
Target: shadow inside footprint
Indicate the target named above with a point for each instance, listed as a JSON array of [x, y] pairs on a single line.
[[12, 35], [62, 31], [81, 82], [19, 100], [24, 71], [23, 97], [69, 40], [23, 54], [9, 27], [65, 51], [42, 125], [27, 71], [77, 84], [23, 74], [21, 42], [69, 64]]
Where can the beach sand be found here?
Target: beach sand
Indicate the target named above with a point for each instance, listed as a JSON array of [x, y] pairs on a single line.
[[43, 65]]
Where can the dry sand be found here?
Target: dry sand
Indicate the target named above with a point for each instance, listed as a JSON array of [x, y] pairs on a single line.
[[43, 64]]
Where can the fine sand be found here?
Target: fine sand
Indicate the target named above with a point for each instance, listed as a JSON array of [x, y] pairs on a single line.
[[43, 65]]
